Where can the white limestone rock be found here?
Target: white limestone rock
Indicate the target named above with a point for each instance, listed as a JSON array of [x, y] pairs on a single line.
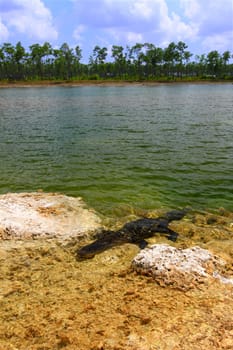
[[50, 215], [182, 268]]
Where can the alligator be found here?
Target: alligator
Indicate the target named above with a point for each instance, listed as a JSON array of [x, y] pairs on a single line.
[[132, 232]]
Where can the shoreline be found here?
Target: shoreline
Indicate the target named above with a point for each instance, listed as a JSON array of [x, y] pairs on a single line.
[[72, 297], [80, 83]]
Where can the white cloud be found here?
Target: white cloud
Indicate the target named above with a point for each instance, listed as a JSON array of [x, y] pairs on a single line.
[[31, 18], [4, 33], [209, 15], [133, 20], [141, 8], [219, 42], [174, 29], [78, 32], [213, 21], [191, 8], [203, 24], [134, 37]]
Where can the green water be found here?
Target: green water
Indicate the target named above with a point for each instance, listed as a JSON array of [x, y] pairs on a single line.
[[137, 146]]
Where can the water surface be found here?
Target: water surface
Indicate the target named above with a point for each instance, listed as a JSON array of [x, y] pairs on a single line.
[[138, 146]]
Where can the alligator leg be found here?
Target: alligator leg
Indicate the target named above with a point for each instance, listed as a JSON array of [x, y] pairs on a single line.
[[172, 235], [142, 244]]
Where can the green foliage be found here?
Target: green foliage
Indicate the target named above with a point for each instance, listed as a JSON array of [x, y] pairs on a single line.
[[94, 77], [137, 63]]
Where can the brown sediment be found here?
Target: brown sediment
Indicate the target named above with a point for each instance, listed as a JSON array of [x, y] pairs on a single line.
[[74, 83], [48, 300]]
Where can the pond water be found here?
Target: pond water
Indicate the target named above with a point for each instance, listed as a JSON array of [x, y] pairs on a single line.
[[120, 146]]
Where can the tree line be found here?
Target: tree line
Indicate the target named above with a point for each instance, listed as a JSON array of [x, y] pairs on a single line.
[[138, 62]]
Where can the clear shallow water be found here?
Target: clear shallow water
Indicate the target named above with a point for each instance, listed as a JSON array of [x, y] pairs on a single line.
[[139, 146]]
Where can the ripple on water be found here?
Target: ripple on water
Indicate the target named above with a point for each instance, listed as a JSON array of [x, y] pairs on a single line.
[[139, 146]]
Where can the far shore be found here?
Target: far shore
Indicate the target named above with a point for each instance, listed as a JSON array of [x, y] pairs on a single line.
[[73, 83]]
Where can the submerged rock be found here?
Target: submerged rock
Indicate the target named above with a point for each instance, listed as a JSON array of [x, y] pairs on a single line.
[[50, 215], [182, 268]]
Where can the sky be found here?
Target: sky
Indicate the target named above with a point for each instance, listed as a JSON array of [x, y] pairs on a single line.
[[204, 25]]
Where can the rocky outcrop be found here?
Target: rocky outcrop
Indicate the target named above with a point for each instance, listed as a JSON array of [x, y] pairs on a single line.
[[50, 215], [180, 268]]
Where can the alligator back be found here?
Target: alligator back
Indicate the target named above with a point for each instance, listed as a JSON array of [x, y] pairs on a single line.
[[132, 232]]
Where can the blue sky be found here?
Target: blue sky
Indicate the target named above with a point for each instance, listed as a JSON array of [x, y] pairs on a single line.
[[204, 25]]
